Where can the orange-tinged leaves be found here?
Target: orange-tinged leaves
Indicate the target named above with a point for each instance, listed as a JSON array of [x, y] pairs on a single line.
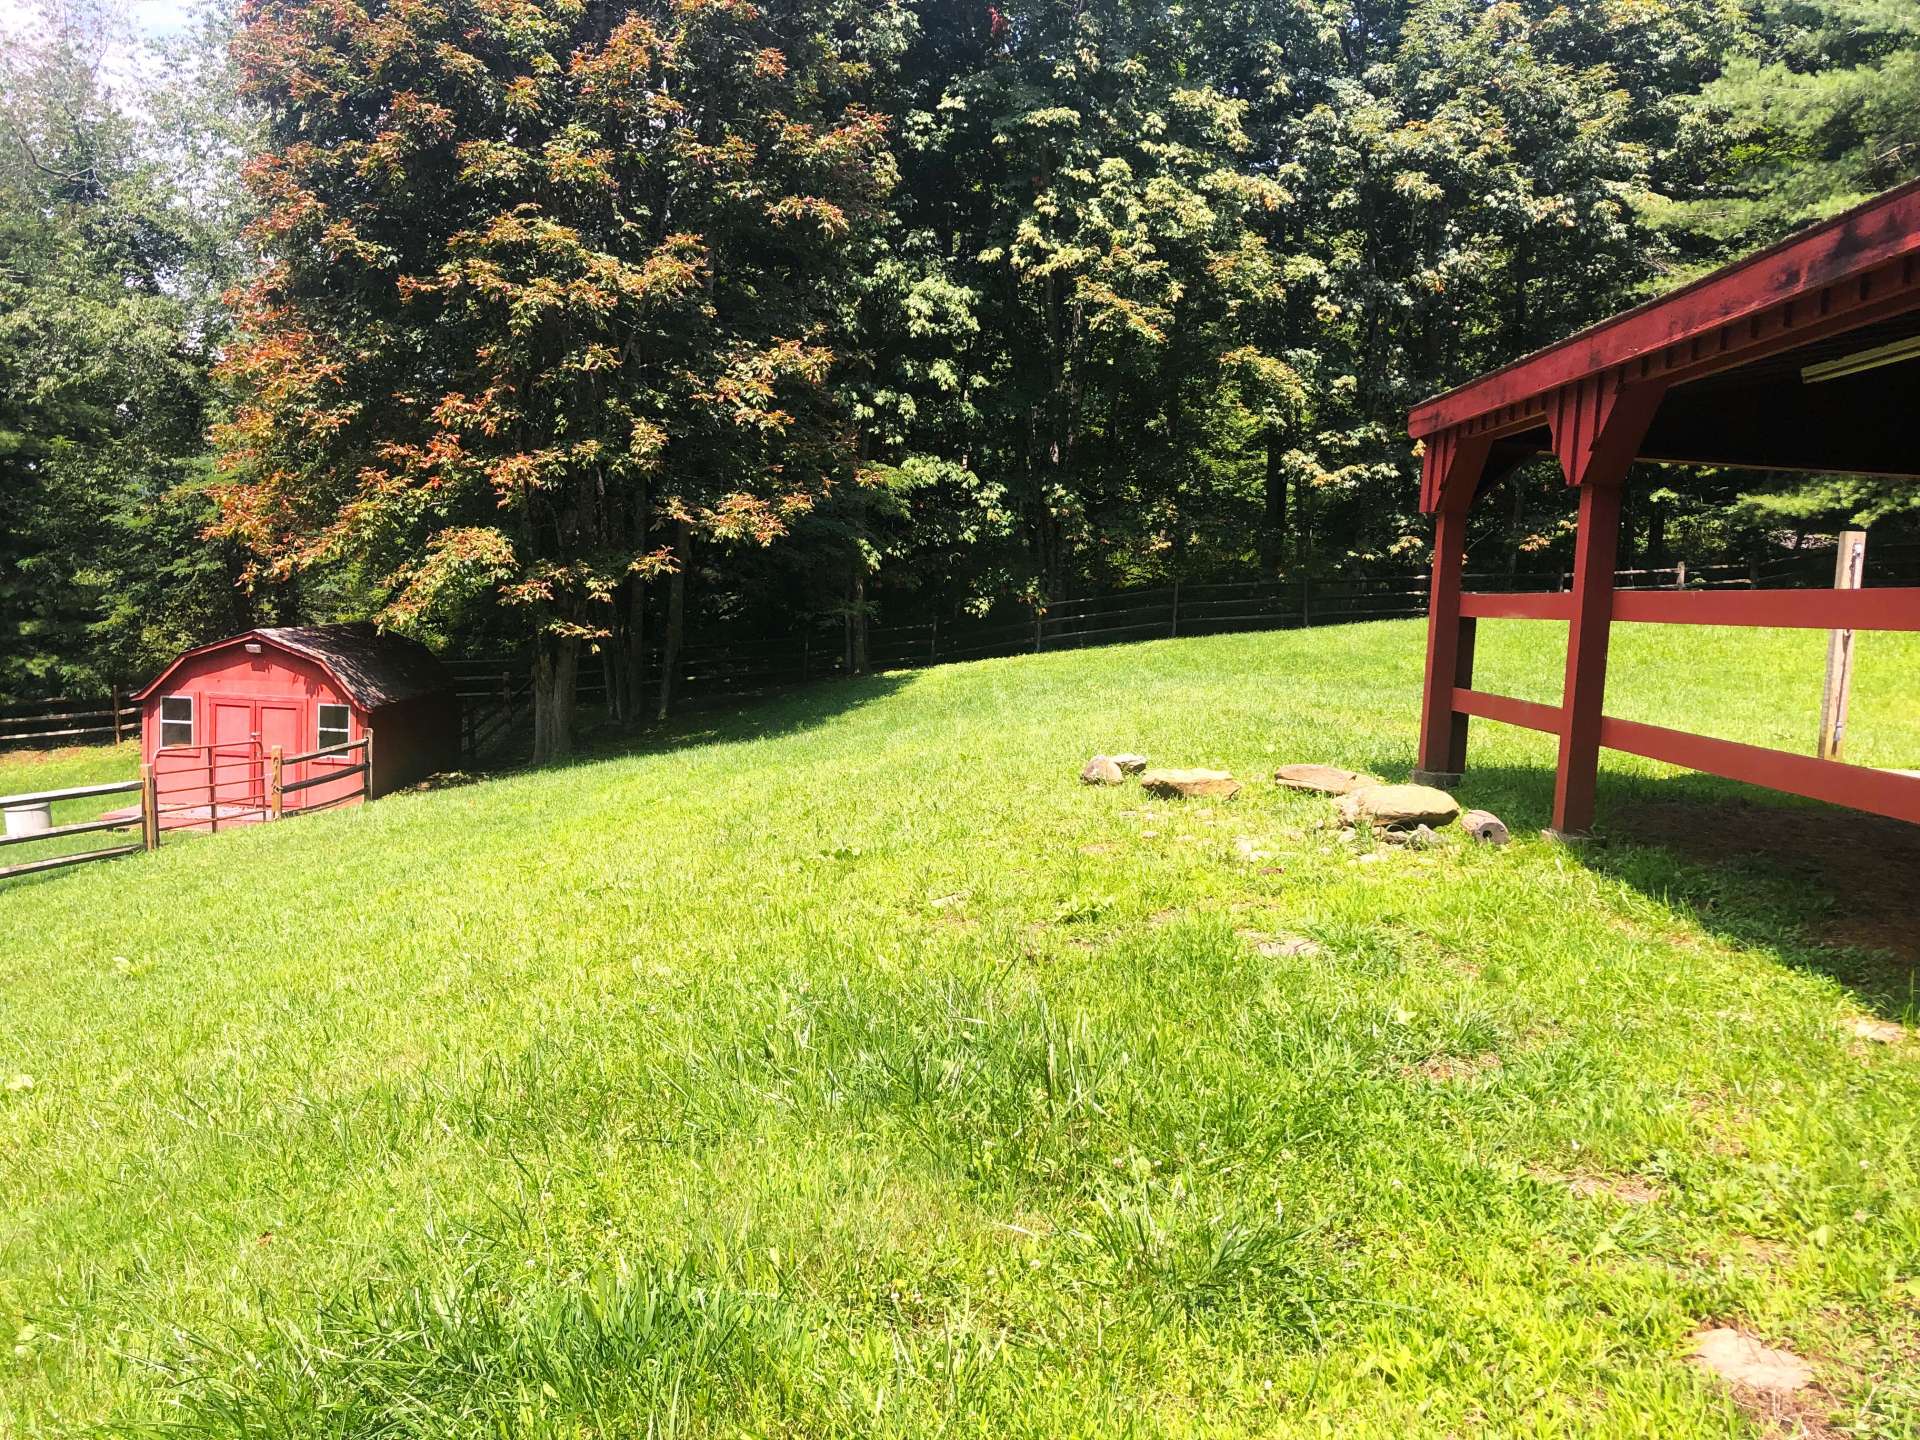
[[828, 217]]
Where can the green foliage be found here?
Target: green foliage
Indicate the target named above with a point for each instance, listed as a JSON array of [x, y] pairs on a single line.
[[536, 278], [113, 252], [566, 322]]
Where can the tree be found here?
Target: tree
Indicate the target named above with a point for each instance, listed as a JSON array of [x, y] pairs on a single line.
[[544, 297], [114, 238]]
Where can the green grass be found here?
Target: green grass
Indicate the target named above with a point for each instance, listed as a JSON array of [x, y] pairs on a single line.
[[845, 1067]]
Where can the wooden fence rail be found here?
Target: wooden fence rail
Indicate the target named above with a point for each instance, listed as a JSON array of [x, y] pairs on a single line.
[[269, 770], [71, 720], [37, 798]]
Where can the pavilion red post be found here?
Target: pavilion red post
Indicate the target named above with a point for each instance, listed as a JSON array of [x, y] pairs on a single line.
[[1587, 635], [1443, 730], [1597, 428], [1452, 474]]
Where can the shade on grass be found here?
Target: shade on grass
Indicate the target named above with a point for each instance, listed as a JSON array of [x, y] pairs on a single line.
[[843, 1066]]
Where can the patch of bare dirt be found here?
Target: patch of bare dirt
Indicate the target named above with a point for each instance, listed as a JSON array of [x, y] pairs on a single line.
[[1772, 1385], [1450, 1069], [1625, 1189], [1868, 859], [1279, 947], [1748, 1252], [1881, 1032]]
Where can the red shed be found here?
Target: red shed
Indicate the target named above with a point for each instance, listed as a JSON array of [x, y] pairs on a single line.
[[211, 722]]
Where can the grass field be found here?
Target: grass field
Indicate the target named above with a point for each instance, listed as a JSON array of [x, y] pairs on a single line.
[[845, 1067]]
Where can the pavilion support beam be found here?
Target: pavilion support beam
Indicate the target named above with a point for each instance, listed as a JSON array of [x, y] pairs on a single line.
[[1453, 470], [1597, 430]]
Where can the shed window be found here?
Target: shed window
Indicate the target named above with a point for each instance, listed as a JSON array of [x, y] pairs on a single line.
[[333, 725], [176, 720]]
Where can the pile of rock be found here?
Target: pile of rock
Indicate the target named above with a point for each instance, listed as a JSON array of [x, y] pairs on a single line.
[[1408, 814], [1168, 784]]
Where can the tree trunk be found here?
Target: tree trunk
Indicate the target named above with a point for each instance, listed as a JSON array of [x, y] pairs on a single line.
[[857, 617], [627, 653], [676, 613], [556, 666], [1273, 540], [1656, 534], [1516, 518]]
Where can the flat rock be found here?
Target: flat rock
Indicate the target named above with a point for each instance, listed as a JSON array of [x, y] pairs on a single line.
[[1398, 805], [1742, 1360], [1321, 779], [1101, 770], [1485, 826], [1191, 784], [1129, 764]]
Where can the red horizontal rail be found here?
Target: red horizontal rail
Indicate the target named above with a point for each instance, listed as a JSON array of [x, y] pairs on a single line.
[[1505, 708], [1517, 606], [1859, 787], [1890, 609]]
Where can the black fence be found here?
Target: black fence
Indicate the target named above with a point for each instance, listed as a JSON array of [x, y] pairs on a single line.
[[68, 721], [720, 668]]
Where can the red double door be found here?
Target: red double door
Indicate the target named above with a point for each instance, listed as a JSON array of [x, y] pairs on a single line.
[[247, 729]]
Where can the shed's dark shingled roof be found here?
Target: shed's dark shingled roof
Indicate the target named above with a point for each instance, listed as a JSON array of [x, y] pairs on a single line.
[[377, 668]]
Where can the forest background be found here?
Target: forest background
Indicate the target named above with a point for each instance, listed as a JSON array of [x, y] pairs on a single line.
[[572, 328]]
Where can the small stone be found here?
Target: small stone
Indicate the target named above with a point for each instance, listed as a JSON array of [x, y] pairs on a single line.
[[1398, 805], [1191, 784], [1486, 827], [1101, 770], [1743, 1360], [1322, 779], [1418, 838], [1129, 764]]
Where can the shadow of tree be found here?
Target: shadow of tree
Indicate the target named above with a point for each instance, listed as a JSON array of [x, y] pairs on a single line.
[[727, 722]]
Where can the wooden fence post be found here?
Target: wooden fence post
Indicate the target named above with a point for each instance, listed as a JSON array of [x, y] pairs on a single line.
[[366, 758], [1174, 628], [1849, 565], [276, 776], [1680, 576], [113, 703], [149, 809], [933, 643], [1038, 621]]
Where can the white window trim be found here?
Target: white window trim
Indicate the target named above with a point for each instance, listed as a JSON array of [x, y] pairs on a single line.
[[320, 743], [165, 722]]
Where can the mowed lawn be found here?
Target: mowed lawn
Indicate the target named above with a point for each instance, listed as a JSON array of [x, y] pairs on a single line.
[[843, 1066]]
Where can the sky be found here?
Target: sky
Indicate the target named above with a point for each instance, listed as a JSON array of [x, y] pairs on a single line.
[[125, 67], [152, 18]]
